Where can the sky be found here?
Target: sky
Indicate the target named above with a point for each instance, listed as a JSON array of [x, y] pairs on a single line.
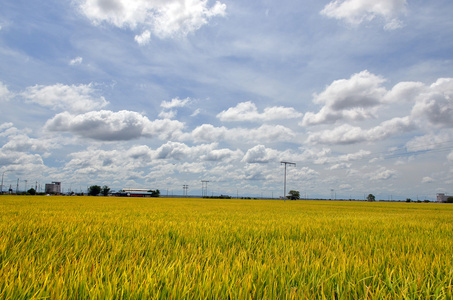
[[160, 94]]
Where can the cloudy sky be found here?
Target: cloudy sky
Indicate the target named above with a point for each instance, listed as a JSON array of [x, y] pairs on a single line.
[[163, 93]]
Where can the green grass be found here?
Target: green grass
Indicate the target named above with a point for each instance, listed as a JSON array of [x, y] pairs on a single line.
[[96, 247]]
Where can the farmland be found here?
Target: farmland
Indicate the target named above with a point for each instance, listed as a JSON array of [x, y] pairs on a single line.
[[107, 247]]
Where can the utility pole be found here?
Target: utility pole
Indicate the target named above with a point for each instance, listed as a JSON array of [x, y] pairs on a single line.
[[1, 191], [286, 163]]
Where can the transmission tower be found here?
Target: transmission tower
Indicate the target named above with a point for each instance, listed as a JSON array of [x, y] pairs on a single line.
[[204, 188]]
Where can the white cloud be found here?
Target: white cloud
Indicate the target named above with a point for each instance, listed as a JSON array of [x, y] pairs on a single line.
[[248, 112], [360, 98], [209, 133], [22, 163], [129, 163], [450, 157], [196, 112], [435, 103], [429, 141], [404, 92], [114, 126], [358, 11], [24, 143], [5, 94], [351, 99], [72, 98], [168, 107], [170, 114], [427, 179], [180, 151], [143, 38], [264, 133], [175, 102], [260, 154], [226, 155], [382, 174], [325, 157], [76, 61], [348, 134], [162, 18]]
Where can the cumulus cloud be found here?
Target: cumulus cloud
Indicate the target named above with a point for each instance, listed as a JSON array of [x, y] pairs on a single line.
[[260, 154], [358, 11], [72, 98], [24, 143], [382, 174], [226, 155], [352, 99], [114, 126], [362, 96], [21, 154], [162, 18], [248, 112], [348, 134], [435, 103], [264, 133], [22, 163], [209, 133], [129, 163], [180, 151]]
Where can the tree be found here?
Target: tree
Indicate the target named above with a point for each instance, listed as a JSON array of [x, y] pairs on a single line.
[[94, 190], [155, 193], [105, 190], [450, 200], [293, 195], [371, 198], [32, 191]]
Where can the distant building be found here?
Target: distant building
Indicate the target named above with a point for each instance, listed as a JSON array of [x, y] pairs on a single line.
[[441, 197], [136, 193], [53, 188]]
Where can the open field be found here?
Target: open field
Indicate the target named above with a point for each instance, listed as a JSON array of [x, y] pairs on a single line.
[[96, 247]]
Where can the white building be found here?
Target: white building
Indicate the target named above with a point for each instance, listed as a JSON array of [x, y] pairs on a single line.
[[441, 197]]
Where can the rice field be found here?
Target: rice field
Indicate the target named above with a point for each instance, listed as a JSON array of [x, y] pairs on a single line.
[[182, 248]]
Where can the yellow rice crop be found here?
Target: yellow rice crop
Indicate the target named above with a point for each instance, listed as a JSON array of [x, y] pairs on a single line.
[[154, 248]]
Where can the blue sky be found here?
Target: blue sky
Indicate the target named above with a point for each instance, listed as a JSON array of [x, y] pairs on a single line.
[[159, 94]]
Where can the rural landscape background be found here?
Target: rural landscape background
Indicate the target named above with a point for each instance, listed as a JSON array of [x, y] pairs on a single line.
[[162, 94], [207, 97]]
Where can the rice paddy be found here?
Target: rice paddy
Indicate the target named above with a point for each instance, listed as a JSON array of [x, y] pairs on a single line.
[[183, 248]]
